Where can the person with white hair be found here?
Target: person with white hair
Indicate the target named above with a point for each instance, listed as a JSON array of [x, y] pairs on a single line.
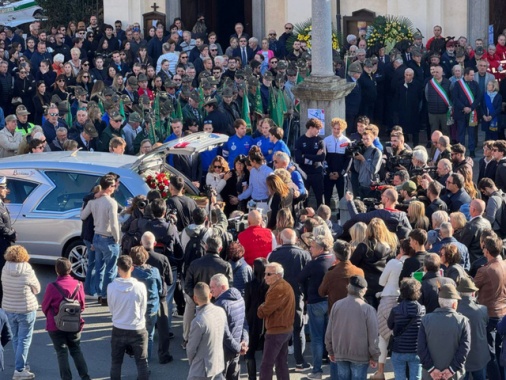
[[278, 319], [408, 94], [444, 361]]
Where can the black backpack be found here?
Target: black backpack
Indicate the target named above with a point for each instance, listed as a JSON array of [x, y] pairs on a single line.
[[68, 316], [196, 248]]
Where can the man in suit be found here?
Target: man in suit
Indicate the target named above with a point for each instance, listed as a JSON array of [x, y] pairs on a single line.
[[190, 166], [243, 51], [499, 154], [466, 99], [354, 98], [205, 345]]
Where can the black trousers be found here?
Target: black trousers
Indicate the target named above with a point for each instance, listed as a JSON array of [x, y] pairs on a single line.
[[315, 181], [65, 343], [329, 185], [162, 324], [138, 341]]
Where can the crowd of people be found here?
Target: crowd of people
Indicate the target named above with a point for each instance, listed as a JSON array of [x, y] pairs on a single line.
[[412, 270]]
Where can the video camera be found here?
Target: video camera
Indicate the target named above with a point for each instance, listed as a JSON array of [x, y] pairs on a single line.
[[371, 203], [430, 170], [355, 147], [400, 160]]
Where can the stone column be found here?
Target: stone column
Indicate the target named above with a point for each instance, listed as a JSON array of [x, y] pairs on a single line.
[[173, 9], [321, 38], [258, 17], [322, 89], [478, 21]]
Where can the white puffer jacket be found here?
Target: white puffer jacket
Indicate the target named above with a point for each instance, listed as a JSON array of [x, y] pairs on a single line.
[[20, 285]]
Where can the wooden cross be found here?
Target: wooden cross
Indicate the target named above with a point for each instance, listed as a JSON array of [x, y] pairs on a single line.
[[155, 7]]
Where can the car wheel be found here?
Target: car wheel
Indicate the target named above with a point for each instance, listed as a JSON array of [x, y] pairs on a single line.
[[76, 252]]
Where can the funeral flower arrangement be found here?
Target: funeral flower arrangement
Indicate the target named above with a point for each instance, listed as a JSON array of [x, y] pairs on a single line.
[[159, 181], [303, 32], [389, 30]]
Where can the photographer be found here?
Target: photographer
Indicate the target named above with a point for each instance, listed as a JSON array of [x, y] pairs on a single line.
[[367, 164], [395, 220], [400, 178], [336, 159]]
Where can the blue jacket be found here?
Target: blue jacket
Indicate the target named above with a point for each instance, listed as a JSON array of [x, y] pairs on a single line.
[[312, 276], [232, 302], [461, 248], [150, 276], [406, 337], [242, 274]]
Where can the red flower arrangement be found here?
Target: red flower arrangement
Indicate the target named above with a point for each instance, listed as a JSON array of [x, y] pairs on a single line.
[[160, 182]]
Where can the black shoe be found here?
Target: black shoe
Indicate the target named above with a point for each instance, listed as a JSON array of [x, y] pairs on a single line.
[[103, 302], [171, 335], [166, 359]]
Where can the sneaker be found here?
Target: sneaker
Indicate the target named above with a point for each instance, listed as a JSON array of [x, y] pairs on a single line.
[[302, 367], [317, 375], [23, 375], [183, 345], [91, 298], [166, 359]]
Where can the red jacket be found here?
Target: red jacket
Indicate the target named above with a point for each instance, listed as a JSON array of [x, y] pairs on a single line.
[[257, 242], [52, 299]]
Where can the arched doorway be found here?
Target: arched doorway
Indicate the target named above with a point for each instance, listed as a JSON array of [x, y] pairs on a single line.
[[221, 15]]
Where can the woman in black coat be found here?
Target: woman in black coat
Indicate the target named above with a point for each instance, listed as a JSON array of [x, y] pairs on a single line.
[[254, 296], [236, 182], [24, 88], [41, 101], [372, 255]]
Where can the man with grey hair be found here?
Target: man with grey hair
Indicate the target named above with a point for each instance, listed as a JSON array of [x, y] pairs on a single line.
[[236, 337], [479, 356], [409, 96], [161, 262], [281, 160], [253, 44], [201, 270], [444, 361], [205, 345], [293, 259], [9, 137], [443, 171], [472, 230], [278, 313], [61, 137], [352, 334]]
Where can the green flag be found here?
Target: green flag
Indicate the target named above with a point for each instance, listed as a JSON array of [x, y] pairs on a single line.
[[245, 110], [122, 108], [276, 111], [68, 119], [101, 106], [259, 108], [158, 124], [179, 111]]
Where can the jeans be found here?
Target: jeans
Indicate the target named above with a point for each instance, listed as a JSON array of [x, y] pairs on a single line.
[[477, 375], [318, 319], [89, 287], [150, 327], [106, 255], [494, 370], [275, 353], [22, 330], [351, 371], [63, 343], [412, 360], [170, 294], [138, 340]]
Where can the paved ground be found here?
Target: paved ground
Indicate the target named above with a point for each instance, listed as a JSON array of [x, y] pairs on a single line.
[[95, 344]]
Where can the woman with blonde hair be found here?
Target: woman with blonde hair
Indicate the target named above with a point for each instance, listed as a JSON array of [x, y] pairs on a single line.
[[469, 185], [372, 255], [280, 196], [416, 215], [217, 176], [20, 287], [358, 234]]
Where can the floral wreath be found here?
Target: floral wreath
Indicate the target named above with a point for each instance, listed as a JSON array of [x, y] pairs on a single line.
[[159, 181], [388, 31], [303, 32]]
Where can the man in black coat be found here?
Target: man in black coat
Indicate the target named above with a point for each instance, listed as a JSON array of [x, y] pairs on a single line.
[[162, 263], [487, 165], [7, 233], [293, 259], [473, 229], [499, 154], [368, 90], [466, 100], [354, 98], [409, 98], [456, 196], [219, 119], [432, 281]]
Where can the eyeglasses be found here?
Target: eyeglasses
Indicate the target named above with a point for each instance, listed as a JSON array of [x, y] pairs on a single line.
[[22, 72], [86, 64], [287, 28], [185, 57], [53, 114], [214, 49], [274, 61], [91, 35], [218, 167], [208, 121], [272, 34], [268, 274], [60, 80], [86, 76], [243, 41]]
